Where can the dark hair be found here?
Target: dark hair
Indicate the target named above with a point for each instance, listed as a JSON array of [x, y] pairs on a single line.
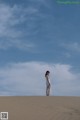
[[47, 72]]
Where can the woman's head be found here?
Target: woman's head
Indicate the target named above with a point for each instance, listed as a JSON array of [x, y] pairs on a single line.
[[47, 72]]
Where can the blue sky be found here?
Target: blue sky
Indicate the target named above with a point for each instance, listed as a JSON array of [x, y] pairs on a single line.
[[36, 35]]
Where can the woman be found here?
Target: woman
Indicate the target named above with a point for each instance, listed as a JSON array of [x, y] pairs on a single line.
[[48, 86]]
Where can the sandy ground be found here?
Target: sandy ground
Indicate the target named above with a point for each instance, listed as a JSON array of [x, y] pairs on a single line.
[[41, 108]]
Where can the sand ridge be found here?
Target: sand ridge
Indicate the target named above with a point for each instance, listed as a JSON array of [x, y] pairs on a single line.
[[41, 108]]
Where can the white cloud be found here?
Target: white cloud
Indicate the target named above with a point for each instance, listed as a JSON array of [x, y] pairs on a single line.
[[42, 2], [18, 24], [6, 17], [72, 46], [28, 79], [68, 55], [11, 18]]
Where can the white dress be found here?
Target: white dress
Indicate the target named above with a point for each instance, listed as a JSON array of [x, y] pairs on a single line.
[[48, 86], [47, 80]]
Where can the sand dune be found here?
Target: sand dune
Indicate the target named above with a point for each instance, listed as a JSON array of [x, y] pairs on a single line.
[[41, 108]]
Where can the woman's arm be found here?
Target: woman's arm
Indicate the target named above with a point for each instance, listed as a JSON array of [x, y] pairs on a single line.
[[47, 78]]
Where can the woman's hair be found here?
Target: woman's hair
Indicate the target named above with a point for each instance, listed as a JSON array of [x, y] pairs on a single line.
[[47, 72]]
